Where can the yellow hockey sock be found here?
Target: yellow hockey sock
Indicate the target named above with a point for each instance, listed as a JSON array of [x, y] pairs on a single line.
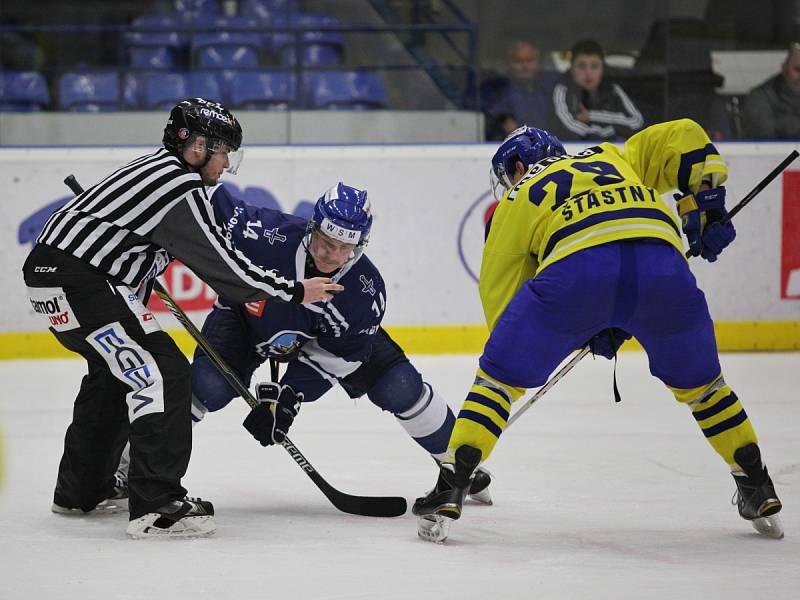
[[721, 417], [483, 415]]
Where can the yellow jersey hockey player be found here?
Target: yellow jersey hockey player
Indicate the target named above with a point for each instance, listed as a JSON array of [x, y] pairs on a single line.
[[582, 247]]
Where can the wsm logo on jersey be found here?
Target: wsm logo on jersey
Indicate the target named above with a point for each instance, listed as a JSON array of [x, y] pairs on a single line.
[[471, 233]]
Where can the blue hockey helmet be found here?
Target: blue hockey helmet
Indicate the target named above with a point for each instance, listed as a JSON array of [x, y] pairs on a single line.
[[344, 214], [526, 144]]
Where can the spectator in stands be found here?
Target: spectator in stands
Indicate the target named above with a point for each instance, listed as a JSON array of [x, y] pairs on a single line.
[[772, 110], [588, 105], [520, 98]]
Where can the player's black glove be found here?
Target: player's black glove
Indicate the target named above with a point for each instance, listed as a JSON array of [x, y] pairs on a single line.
[[701, 219], [607, 342], [278, 405]]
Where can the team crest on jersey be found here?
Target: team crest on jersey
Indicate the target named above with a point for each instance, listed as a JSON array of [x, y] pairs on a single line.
[[369, 285], [273, 236], [283, 344]]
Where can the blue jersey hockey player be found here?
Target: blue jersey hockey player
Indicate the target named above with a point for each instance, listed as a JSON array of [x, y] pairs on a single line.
[[323, 344], [582, 245]]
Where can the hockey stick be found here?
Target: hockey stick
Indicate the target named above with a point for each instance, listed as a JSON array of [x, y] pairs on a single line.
[[550, 383], [759, 187], [368, 506], [585, 350]]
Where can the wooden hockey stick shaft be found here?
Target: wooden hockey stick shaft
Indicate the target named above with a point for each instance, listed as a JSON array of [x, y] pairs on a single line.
[[370, 506]]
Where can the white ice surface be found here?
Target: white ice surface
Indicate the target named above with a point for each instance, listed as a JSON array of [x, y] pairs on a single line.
[[592, 500]]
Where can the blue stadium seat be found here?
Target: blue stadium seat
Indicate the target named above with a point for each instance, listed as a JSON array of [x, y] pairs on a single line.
[[23, 91], [89, 92], [190, 9], [317, 48], [227, 49], [132, 90], [311, 56], [226, 31], [268, 9], [346, 90], [227, 57], [262, 90], [150, 57], [153, 30], [209, 84], [152, 42], [162, 91]]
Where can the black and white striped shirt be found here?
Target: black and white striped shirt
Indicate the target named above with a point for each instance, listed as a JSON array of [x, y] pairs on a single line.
[[131, 223]]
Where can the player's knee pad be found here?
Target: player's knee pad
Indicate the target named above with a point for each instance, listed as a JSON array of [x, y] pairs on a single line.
[[720, 416], [209, 389], [398, 389]]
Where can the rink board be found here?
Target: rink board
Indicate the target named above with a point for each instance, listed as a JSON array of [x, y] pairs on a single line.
[[429, 203]]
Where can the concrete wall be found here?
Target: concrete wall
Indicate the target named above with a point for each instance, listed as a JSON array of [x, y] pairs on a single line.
[[260, 127]]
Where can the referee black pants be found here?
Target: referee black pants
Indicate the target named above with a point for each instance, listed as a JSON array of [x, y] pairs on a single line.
[[138, 386]]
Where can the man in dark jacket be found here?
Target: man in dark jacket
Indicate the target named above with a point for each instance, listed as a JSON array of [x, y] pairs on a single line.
[[772, 110], [521, 98]]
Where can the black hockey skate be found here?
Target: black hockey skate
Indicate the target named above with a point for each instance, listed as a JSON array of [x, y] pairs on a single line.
[[442, 505], [116, 502], [755, 495], [185, 518], [479, 488]]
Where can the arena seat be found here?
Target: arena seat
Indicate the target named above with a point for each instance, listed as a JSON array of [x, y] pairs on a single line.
[[311, 56], [190, 9], [162, 91], [150, 57], [227, 57], [220, 42], [89, 91], [23, 91], [267, 9], [262, 90], [317, 48], [347, 90]]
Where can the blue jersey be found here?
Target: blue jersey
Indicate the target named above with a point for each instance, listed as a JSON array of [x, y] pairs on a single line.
[[322, 342]]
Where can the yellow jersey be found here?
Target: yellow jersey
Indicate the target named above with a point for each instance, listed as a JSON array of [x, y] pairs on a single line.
[[564, 204]]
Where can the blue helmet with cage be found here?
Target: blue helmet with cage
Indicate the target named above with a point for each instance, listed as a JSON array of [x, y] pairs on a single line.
[[526, 144], [344, 214]]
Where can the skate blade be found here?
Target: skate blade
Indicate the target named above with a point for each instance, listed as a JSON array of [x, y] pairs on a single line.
[[188, 527], [106, 507], [771, 526], [482, 497], [434, 528]]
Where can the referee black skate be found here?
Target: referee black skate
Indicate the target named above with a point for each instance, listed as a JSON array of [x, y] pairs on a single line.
[[90, 276]]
